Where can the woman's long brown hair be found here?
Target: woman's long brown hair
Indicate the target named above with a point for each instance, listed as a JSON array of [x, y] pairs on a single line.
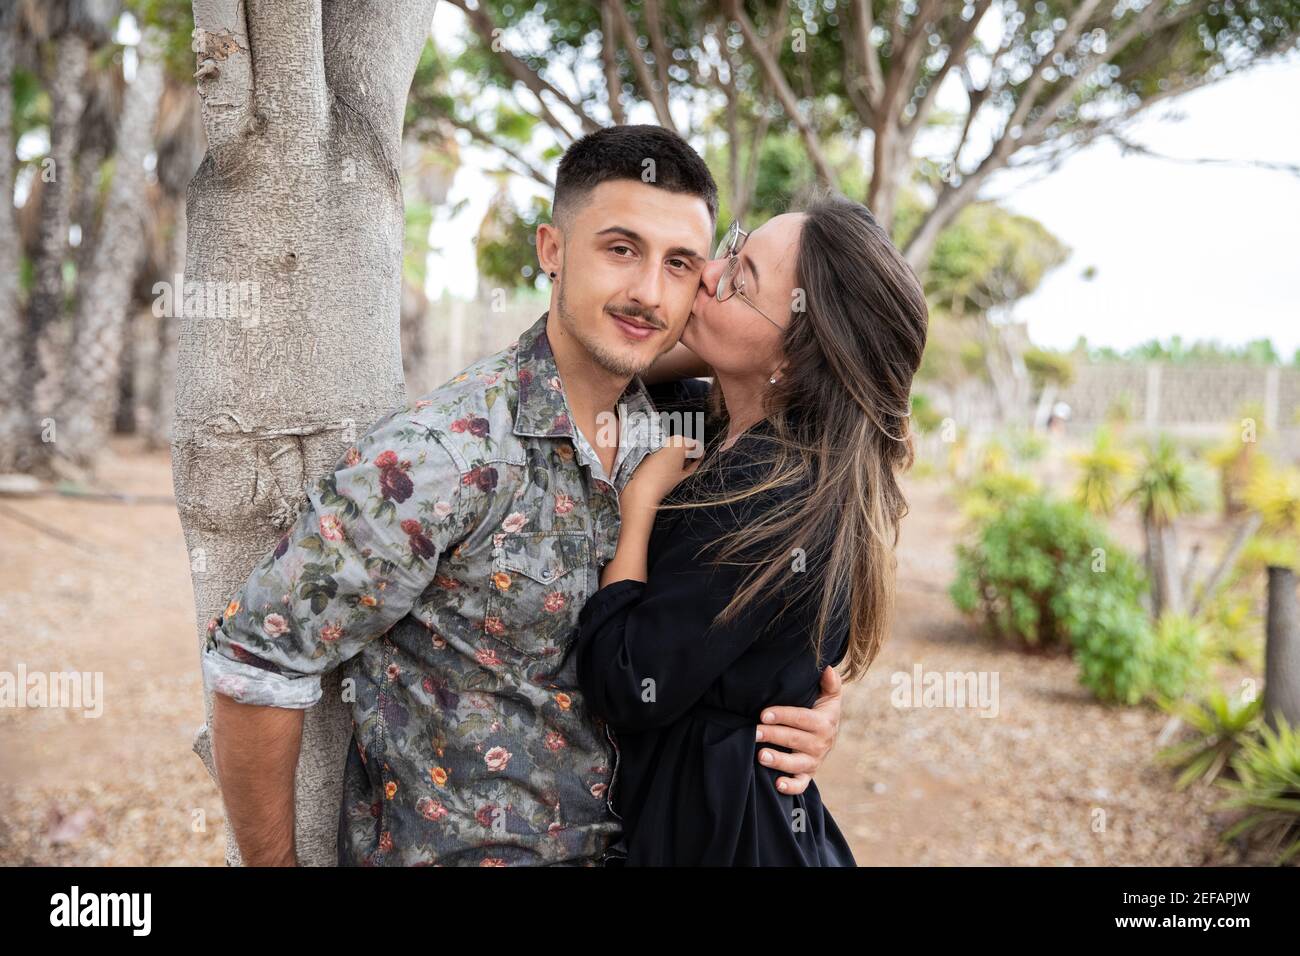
[[840, 432]]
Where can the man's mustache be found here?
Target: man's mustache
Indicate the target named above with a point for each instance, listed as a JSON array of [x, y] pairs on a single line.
[[636, 312]]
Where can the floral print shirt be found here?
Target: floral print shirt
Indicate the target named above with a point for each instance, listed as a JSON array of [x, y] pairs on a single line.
[[442, 566]]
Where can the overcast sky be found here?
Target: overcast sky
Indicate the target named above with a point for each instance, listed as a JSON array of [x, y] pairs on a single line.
[[1204, 251]]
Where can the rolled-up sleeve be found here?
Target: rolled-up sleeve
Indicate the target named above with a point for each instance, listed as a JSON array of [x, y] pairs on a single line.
[[364, 546]]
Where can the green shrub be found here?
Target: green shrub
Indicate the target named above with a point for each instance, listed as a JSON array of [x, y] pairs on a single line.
[[1268, 783], [992, 493], [1179, 657], [1220, 726], [1044, 573], [1114, 646]]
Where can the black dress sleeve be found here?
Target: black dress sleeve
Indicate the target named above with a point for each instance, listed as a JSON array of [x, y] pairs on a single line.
[[646, 651]]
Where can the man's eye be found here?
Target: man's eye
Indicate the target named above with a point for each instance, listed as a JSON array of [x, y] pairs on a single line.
[[679, 263], [615, 249]]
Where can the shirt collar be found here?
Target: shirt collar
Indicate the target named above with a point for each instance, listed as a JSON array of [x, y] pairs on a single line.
[[543, 409]]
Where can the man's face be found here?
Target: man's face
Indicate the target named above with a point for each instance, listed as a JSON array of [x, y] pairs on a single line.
[[632, 257]]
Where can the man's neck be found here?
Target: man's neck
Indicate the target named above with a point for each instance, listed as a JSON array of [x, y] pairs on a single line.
[[590, 390]]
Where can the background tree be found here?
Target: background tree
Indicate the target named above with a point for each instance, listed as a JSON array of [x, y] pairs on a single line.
[[1039, 79]]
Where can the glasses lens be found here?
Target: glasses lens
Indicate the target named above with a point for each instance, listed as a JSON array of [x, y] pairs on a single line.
[[730, 241], [731, 281]]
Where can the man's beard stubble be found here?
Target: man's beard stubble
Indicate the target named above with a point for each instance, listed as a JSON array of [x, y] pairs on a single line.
[[613, 362]]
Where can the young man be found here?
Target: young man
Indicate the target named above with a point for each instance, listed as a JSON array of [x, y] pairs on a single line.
[[443, 563]]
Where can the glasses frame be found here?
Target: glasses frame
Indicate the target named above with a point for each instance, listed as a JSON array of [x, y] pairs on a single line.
[[733, 275]]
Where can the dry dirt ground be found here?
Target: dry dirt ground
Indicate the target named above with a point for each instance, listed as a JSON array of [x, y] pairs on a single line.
[[1052, 779]]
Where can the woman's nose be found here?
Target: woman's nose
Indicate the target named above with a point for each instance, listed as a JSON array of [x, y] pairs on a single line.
[[711, 273]]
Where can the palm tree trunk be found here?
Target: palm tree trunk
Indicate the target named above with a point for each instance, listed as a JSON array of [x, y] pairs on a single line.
[[104, 299], [45, 307], [12, 414]]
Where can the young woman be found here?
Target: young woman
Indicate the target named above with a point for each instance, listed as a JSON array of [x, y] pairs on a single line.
[[740, 574]]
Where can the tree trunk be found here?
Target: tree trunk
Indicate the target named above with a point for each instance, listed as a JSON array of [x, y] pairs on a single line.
[[13, 416], [45, 308], [124, 404], [104, 301], [298, 202], [1282, 650]]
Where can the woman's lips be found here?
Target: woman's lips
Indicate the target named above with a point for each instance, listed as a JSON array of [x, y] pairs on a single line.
[[631, 329]]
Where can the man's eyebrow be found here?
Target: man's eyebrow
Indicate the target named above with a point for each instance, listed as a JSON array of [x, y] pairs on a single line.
[[753, 268], [637, 237]]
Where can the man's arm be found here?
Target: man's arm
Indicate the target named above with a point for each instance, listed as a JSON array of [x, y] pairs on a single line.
[[256, 752], [363, 548]]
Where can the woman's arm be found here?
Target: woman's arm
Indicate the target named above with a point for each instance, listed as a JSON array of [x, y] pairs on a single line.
[[678, 362]]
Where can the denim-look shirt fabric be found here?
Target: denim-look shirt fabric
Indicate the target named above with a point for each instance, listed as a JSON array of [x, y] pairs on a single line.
[[442, 565]]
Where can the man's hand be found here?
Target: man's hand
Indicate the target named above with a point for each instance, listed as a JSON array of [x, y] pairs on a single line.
[[809, 732]]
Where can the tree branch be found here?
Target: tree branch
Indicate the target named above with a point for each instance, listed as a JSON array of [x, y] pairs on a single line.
[[289, 89], [520, 71], [224, 70], [657, 97], [772, 70]]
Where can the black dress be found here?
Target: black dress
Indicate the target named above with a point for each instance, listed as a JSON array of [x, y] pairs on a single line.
[[683, 701]]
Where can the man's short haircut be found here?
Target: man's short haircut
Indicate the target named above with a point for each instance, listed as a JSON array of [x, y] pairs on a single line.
[[649, 154]]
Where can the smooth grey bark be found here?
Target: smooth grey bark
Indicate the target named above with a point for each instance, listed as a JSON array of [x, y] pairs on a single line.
[[1282, 650], [12, 418], [94, 360], [299, 199]]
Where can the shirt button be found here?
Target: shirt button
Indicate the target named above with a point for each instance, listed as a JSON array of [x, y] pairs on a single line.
[[546, 574]]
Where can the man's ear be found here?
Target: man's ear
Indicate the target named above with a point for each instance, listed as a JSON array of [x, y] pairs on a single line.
[[550, 248]]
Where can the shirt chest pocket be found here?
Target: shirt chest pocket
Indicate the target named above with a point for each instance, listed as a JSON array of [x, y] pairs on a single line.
[[538, 585]]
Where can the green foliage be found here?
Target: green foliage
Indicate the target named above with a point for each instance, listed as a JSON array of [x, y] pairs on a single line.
[[1102, 469], [1263, 550], [1268, 785], [1027, 445], [993, 491], [1233, 629], [1179, 659], [174, 20], [924, 417], [1275, 494], [1237, 459], [1168, 485], [1047, 367], [506, 254], [1177, 352], [1044, 573], [989, 258], [1220, 725]]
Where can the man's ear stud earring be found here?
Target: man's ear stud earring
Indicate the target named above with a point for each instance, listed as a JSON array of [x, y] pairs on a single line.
[[552, 275]]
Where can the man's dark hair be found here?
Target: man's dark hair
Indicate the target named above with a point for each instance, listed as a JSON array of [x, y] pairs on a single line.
[[620, 152]]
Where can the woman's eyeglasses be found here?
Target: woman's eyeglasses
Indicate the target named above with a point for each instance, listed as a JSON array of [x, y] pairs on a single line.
[[734, 277]]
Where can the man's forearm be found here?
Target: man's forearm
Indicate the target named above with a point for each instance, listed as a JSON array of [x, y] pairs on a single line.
[[256, 753]]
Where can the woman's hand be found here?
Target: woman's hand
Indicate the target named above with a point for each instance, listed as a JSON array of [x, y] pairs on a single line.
[[661, 471], [658, 473]]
